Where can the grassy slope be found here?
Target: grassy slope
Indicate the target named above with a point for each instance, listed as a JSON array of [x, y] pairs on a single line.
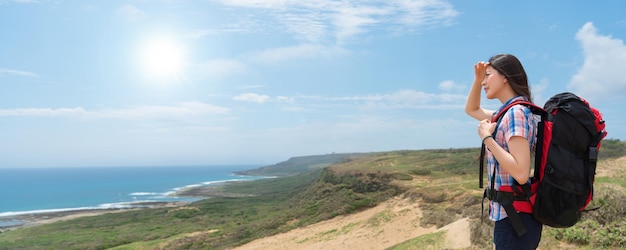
[[444, 181], [298, 165]]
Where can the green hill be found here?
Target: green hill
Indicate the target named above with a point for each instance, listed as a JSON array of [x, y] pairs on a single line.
[[444, 183], [298, 165]]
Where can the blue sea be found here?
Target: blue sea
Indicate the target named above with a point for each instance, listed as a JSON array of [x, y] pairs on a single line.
[[38, 190]]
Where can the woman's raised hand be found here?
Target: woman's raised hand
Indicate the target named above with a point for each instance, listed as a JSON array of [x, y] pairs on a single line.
[[480, 70]]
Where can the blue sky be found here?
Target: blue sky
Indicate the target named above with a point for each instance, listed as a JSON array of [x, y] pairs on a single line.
[[142, 83]]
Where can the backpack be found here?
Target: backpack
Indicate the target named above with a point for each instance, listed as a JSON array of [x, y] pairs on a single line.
[[569, 135]]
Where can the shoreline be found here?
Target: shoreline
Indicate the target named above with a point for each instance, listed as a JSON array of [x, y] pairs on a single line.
[[28, 219]]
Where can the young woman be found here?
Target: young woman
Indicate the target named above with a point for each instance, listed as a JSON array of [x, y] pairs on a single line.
[[508, 152]]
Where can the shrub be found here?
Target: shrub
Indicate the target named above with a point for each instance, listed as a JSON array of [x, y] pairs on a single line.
[[612, 237], [401, 176], [611, 204], [421, 171], [579, 234]]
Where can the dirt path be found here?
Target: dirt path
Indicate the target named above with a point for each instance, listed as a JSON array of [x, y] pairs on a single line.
[[383, 226]]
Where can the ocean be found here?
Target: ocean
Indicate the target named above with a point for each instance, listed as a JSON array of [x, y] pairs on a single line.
[[37, 190]]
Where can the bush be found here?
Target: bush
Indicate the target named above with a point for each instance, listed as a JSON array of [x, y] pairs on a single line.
[[421, 171], [401, 176], [612, 237], [612, 148], [580, 234], [610, 204]]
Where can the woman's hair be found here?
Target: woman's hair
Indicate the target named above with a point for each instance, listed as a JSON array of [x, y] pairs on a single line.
[[509, 66]]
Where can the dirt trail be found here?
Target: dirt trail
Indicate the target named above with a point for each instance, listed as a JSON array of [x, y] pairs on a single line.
[[385, 225], [390, 223]]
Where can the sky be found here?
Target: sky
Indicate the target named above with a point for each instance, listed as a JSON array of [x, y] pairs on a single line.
[[214, 82]]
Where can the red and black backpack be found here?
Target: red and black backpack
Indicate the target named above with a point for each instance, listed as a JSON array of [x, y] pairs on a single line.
[[569, 134]]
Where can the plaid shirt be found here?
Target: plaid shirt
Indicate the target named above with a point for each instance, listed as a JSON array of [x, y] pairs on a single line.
[[517, 121]]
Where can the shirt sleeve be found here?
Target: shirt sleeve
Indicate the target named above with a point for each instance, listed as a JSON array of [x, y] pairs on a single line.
[[517, 122]]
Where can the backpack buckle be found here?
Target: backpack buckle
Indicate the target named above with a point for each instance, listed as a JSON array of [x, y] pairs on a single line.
[[490, 194], [593, 153]]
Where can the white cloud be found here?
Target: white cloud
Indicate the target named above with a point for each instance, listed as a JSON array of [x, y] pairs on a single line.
[[450, 85], [405, 99], [426, 13], [197, 34], [184, 109], [422, 100], [538, 90], [43, 112], [257, 86], [285, 99], [251, 97], [16, 72], [352, 21], [602, 73], [303, 51], [221, 67], [315, 21], [130, 13], [22, 1]]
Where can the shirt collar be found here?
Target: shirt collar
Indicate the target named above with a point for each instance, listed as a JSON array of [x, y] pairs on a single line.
[[517, 98]]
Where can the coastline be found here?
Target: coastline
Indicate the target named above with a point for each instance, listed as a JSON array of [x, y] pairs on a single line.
[[27, 219], [23, 220], [209, 191]]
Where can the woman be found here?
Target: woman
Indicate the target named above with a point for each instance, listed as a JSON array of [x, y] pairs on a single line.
[[508, 152]]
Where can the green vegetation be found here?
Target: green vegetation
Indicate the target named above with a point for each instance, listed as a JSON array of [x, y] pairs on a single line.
[[612, 148], [603, 226], [299, 165], [427, 241], [442, 181]]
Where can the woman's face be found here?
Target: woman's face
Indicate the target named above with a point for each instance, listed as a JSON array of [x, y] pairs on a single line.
[[493, 83]]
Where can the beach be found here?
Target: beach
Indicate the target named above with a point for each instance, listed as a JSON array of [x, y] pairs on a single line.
[[12, 222], [65, 193]]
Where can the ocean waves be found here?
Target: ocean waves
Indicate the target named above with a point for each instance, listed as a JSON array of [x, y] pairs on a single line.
[[72, 189]]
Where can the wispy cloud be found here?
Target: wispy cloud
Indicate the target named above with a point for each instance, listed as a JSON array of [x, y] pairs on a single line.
[[538, 90], [451, 86], [184, 109], [20, 1], [303, 51], [408, 96], [218, 68], [43, 112], [4, 72], [402, 99], [196, 34], [251, 97], [343, 21], [602, 74], [221, 67], [130, 12]]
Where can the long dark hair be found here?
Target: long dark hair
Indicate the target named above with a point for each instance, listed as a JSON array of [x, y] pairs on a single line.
[[509, 66]]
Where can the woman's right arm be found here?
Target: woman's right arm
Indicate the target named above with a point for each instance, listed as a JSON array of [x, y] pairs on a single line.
[[472, 106]]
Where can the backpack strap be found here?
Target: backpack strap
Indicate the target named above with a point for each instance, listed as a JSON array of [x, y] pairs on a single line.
[[518, 192], [496, 118], [506, 200], [593, 159]]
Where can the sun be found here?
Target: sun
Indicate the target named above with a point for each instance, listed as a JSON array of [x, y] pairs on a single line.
[[162, 59]]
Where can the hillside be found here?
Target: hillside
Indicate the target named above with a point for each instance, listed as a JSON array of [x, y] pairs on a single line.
[[423, 218], [298, 165], [394, 199]]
